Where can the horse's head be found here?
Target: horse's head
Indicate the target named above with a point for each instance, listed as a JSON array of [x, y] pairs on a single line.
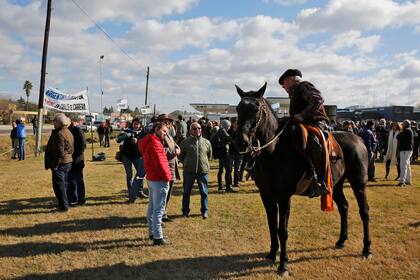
[[248, 114]]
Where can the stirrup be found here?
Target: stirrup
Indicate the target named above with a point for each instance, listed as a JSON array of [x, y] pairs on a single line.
[[317, 188]]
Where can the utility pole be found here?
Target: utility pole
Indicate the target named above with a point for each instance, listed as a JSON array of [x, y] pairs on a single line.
[[147, 85], [42, 82], [100, 79]]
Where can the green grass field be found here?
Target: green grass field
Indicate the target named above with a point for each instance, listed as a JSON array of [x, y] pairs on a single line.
[[108, 239]]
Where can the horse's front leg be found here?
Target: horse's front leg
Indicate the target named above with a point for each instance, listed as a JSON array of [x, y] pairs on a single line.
[[284, 211], [270, 206]]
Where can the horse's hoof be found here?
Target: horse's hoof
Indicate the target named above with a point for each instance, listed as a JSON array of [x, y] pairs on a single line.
[[339, 245], [284, 273], [367, 256]]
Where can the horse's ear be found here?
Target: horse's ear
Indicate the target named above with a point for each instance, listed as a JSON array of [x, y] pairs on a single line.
[[240, 91], [261, 91]]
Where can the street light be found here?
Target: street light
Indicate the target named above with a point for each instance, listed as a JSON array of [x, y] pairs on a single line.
[[100, 79]]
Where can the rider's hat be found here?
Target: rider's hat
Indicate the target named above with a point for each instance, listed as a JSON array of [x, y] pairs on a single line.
[[289, 73]]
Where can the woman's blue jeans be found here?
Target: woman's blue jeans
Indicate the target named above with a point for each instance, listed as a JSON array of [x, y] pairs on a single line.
[[158, 190], [134, 185]]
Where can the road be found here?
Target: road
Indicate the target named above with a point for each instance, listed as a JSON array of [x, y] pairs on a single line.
[[5, 129]]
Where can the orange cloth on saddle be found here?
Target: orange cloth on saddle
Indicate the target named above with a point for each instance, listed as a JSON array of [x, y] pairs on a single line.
[[327, 203]]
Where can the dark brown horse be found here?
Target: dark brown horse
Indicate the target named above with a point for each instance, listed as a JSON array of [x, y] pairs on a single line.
[[279, 167]]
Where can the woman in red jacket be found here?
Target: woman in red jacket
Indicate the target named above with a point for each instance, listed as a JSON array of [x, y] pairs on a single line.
[[158, 176]]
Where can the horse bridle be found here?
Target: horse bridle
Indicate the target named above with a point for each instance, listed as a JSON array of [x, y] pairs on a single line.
[[262, 108]]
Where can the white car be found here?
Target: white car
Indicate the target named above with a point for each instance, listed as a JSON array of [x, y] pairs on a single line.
[[87, 127]]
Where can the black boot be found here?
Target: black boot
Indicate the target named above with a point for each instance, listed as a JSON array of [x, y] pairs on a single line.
[[317, 188], [160, 242]]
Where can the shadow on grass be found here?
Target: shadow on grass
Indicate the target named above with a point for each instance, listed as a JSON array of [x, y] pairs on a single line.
[[414, 225], [381, 185], [206, 267], [211, 267], [23, 250], [76, 226], [42, 205], [16, 206]]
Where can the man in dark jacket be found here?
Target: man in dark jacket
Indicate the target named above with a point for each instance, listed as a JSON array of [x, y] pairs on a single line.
[[131, 156], [371, 144], [235, 156], [58, 158], [306, 106], [107, 133], [405, 143], [76, 187], [224, 164]]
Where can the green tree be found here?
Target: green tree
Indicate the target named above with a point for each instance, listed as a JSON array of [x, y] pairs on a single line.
[[20, 103], [27, 86]]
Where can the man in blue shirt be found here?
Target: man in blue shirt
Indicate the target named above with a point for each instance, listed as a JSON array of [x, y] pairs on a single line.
[[21, 135]]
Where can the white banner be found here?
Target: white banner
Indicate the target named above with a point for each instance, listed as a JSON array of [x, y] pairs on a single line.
[[66, 102], [122, 104]]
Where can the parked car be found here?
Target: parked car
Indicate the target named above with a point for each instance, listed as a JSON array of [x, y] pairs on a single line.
[[86, 127], [97, 123]]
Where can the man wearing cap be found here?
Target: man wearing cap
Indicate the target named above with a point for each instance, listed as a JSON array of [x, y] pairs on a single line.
[[58, 158], [76, 184], [306, 106], [195, 156]]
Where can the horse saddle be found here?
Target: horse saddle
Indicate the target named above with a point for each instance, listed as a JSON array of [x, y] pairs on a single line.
[[332, 155]]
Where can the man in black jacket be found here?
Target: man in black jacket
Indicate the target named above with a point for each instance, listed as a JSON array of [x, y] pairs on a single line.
[[307, 106], [131, 156], [405, 144], [76, 185]]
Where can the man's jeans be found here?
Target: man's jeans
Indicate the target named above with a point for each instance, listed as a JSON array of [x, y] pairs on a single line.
[[235, 159], [224, 164], [76, 187], [21, 148], [134, 185], [405, 173], [158, 190], [60, 183], [189, 179]]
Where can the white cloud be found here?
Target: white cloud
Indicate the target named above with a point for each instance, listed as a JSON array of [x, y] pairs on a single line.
[[354, 39], [343, 15], [287, 2], [153, 35]]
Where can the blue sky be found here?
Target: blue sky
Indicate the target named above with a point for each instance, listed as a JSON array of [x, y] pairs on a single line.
[[364, 52]]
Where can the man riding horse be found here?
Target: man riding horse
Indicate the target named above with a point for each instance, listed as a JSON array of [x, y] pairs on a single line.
[[306, 106]]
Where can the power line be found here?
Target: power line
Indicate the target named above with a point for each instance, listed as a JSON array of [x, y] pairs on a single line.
[[106, 33]]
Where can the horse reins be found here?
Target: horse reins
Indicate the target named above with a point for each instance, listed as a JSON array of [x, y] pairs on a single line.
[[255, 150]]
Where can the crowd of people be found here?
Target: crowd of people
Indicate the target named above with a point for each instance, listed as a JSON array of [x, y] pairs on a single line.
[[395, 143], [18, 137], [156, 149]]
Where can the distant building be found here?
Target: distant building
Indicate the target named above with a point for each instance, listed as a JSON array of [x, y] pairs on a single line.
[[280, 105], [393, 113]]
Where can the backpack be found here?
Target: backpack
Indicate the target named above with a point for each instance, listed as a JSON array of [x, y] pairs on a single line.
[[216, 145]]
